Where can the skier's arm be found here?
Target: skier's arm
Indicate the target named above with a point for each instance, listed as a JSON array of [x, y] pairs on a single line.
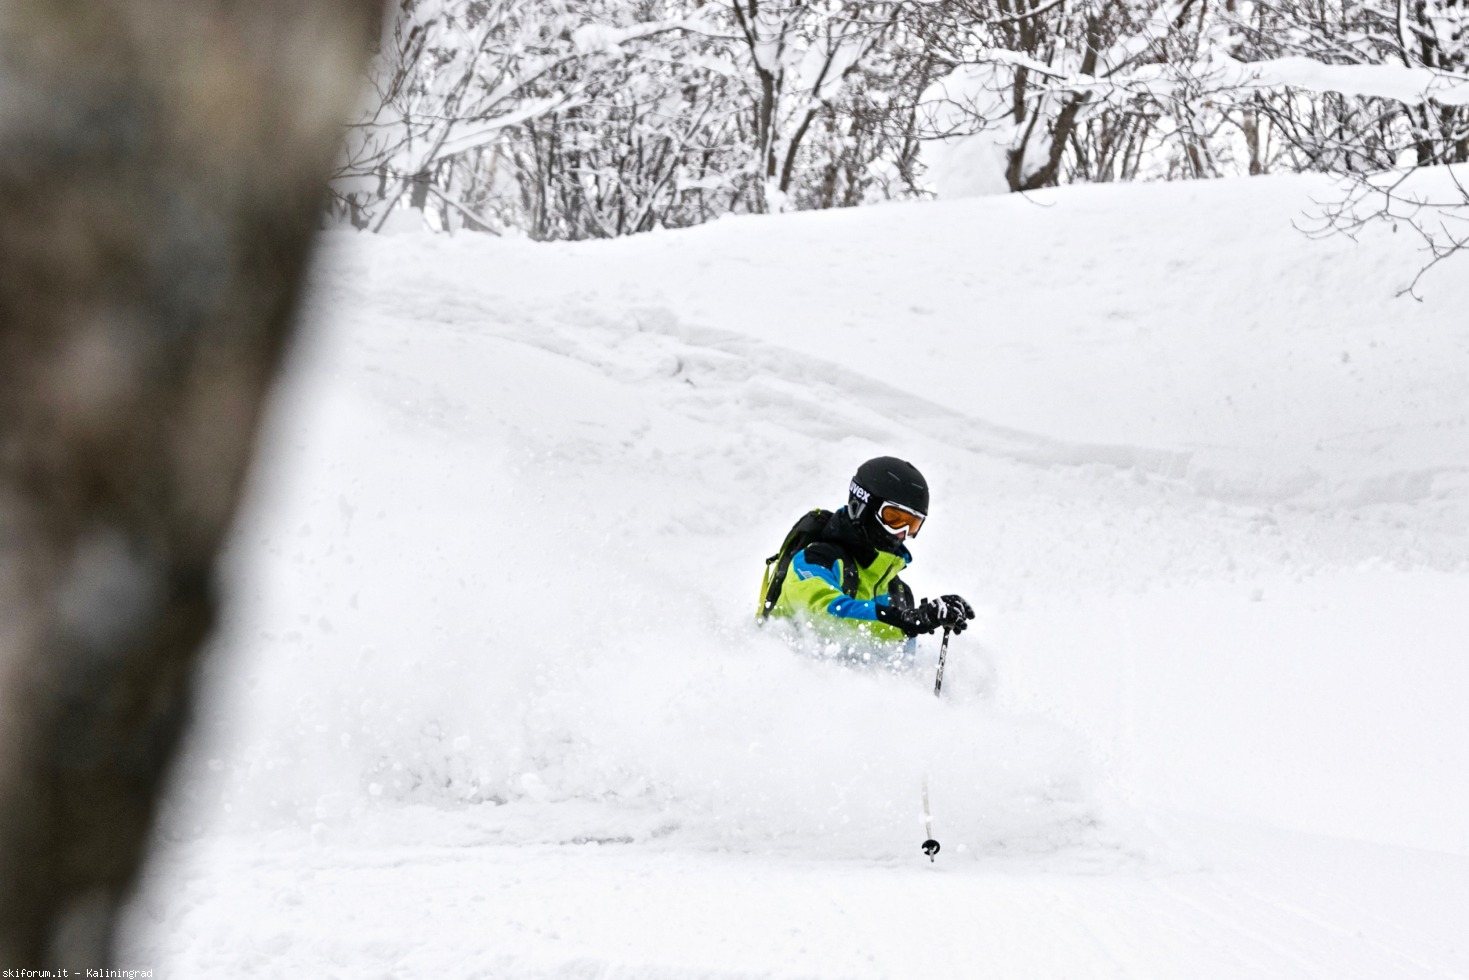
[[814, 586]]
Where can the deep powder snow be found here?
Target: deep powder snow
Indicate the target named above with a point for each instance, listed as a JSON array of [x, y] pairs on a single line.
[[491, 701]]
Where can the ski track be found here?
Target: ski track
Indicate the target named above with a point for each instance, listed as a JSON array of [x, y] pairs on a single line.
[[797, 391], [707, 375]]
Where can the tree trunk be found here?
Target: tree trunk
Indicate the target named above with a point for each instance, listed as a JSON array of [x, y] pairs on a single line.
[[153, 233], [1250, 124]]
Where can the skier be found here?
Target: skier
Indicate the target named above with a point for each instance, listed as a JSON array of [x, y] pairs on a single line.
[[837, 573]]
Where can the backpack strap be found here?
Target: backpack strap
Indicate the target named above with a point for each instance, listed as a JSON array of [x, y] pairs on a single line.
[[804, 532]]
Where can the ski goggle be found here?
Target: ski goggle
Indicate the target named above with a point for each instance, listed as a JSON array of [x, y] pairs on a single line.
[[901, 521]]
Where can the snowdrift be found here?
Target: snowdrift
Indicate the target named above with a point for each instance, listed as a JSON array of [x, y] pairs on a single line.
[[515, 510]]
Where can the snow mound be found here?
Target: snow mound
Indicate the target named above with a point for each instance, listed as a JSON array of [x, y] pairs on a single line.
[[491, 702], [505, 550]]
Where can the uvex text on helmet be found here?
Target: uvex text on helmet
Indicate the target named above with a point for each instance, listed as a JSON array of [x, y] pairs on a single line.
[[888, 478]]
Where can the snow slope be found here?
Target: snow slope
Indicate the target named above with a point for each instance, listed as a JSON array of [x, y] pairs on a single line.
[[491, 703]]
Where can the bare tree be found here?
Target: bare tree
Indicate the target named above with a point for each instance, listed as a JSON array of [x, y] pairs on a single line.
[[1429, 202], [448, 78], [797, 56], [455, 79], [162, 168], [1092, 90], [1388, 112], [596, 118], [651, 141]]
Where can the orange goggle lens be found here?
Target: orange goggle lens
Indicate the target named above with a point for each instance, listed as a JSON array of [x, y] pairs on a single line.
[[896, 517]]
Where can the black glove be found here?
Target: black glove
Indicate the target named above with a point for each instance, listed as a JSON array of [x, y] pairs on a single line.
[[950, 612]]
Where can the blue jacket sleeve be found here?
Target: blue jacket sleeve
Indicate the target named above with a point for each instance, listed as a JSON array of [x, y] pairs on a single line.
[[815, 585]]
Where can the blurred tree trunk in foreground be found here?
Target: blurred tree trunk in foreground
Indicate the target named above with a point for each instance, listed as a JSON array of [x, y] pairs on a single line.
[[161, 172]]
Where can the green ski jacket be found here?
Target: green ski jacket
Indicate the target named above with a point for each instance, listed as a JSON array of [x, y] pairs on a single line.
[[812, 591]]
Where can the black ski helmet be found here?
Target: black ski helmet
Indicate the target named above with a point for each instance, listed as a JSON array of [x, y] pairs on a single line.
[[886, 478]]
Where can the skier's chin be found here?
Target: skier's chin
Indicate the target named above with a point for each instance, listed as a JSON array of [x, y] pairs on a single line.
[[893, 543]]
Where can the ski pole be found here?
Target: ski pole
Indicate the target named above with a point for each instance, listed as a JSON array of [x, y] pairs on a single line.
[[938, 681], [931, 846]]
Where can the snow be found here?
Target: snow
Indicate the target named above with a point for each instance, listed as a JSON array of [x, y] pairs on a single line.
[[1408, 85], [491, 703], [968, 163]]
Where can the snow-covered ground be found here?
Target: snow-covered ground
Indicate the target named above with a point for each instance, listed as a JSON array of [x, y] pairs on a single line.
[[491, 702]]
